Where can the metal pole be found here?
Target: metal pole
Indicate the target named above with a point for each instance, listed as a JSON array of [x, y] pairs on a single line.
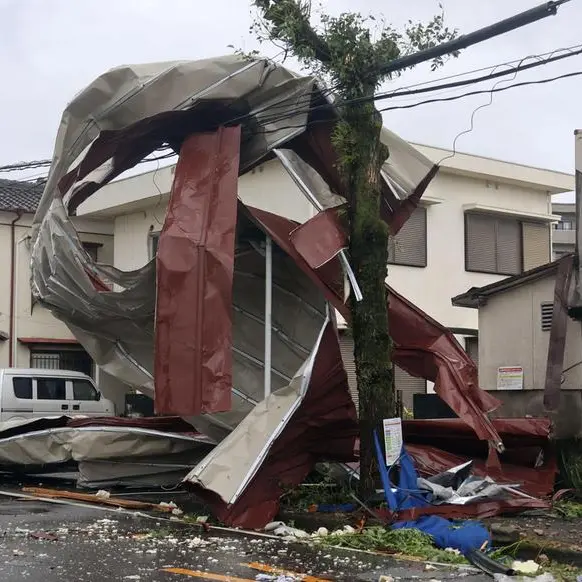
[[268, 311], [578, 171], [311, 197], [467, 40]]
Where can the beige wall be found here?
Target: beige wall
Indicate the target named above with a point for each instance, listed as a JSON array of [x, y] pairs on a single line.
[[268, 187], [35, 321], [432, 287], [510, 334], [139, 206]]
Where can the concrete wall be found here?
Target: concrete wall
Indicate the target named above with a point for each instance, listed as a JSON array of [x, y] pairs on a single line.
[[36, 321], [510, 334]]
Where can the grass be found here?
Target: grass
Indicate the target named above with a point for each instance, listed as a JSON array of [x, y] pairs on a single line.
[[317, 490], [570, 462], [568, 509]]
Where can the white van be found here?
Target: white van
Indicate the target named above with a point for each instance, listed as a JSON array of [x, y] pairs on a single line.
[[35, 392]]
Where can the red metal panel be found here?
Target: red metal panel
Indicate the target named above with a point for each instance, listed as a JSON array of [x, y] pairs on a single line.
[[195, 263], [423, 347], [323, 427], [314, 239]]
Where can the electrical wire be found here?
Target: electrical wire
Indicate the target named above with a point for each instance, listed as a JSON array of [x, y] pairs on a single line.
[[312, 122], [452, 85], [417, 89]]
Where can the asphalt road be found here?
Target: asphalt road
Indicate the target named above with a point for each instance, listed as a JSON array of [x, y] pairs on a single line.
[[45, 542]]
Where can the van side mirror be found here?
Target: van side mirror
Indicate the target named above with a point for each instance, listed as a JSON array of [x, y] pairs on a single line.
[[98, 395]]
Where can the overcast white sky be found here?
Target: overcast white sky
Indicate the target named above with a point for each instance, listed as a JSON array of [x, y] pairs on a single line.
[[50, 49]]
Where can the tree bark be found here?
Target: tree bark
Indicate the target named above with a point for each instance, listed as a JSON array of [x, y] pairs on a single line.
[[369, 260]]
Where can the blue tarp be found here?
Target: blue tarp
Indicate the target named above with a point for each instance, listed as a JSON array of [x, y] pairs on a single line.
[[463, 536]]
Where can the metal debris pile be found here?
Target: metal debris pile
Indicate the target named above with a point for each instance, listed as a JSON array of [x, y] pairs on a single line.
[[262, 381]]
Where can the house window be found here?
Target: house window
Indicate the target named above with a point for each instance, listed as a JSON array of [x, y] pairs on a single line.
[[153, 242], [407, 386], [408, 247], [55, 358], [493, 244], [504, 246], [565, 225], [547, 310], [92, 249], [472, 349]]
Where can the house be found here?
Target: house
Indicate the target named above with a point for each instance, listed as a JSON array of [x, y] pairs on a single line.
[[480, 221], [515, 327], [30, 335], [564, 234]]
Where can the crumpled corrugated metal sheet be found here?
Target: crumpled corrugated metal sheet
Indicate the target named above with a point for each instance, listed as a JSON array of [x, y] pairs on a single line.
[[279, 442], [423, 347], [528, 460], [124, 115], [195, 268]]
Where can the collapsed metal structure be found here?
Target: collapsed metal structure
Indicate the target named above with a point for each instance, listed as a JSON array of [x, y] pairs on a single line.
[[232, 326]]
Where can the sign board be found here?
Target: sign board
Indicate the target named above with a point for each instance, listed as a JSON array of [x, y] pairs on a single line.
[[510, 378], [392, 439]]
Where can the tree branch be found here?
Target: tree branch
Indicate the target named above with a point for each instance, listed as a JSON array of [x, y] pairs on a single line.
[[289, 23]]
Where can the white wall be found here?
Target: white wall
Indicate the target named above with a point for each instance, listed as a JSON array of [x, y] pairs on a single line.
[[432, 287], [270, 188], [35, 321], [510, 334]]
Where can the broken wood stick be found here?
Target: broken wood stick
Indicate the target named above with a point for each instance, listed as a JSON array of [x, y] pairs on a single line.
[[93, 498]]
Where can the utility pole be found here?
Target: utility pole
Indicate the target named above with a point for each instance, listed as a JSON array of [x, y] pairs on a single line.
[[466, 40]]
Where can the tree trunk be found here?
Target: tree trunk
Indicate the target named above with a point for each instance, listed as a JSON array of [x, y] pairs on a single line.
[[369, 260]]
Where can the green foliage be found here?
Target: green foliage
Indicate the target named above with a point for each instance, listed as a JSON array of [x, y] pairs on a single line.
[[426, 36], [568, 509], [570, 462], [317, 490], [342, 49], [405, 542]]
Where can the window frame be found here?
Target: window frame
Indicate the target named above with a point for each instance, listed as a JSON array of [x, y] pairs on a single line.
[[85, 381], [424, 209], [36, 380], [92, 249], [466, 245], [60, 350], [30, 379]]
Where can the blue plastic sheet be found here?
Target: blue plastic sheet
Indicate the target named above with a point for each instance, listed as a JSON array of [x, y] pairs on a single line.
[[463, 536]]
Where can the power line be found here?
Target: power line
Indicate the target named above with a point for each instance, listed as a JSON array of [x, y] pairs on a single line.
[[46, 163], [456, 84], [417, 89], [483, 92], [439, 100]]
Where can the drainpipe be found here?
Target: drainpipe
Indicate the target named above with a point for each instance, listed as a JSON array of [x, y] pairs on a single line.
[[11, 349], [14, 339]]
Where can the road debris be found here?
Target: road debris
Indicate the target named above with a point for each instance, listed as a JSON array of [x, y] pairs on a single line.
[[101, 498]]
